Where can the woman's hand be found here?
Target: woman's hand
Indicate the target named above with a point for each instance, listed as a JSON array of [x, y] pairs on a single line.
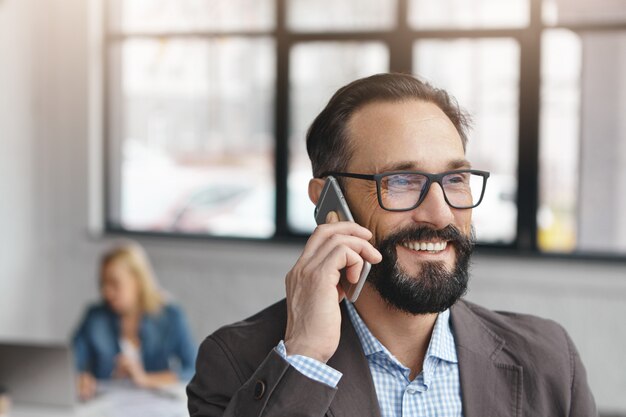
[[134, 370], [86, 386], [130, 368]]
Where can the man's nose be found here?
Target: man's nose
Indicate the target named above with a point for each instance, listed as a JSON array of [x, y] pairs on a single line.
[[434, 210]]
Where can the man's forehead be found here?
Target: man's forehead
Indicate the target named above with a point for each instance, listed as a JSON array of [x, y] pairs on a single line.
[[420, 165], [407, 135]]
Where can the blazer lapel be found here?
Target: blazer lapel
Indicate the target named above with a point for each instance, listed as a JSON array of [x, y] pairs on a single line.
[[490, 387], [356, 395]]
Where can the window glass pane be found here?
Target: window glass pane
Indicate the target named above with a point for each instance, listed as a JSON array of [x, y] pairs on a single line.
[[583, 11], [483, 75], [312, 85], [559, 140], [601, 203], [192, 15], [345, 15], [464, 14], [192, 128], [583, 142]]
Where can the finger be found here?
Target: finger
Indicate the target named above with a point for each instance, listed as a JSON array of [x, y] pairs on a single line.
[[332, 217], [341, 294], [353, 272], [123, 361], [91, 387], [120, 370], [340, 259], [325, 231], [360, 246]]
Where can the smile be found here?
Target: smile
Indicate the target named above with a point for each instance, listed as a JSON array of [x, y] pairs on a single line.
[[432, 247]]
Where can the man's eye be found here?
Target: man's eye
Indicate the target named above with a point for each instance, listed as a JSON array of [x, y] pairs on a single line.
[[457, 179], [402, 181], [398, 182]]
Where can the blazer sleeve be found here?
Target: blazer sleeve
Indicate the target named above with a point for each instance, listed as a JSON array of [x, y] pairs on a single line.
[[582, 402], [221, 388]]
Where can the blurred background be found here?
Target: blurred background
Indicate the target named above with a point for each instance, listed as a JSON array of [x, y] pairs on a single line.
[[181, 123]]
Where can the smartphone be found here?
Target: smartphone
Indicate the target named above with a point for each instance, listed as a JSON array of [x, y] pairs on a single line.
[[332, 199]]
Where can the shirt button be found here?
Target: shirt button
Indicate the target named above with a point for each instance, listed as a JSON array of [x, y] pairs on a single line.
[[259, 389], [411, 391]]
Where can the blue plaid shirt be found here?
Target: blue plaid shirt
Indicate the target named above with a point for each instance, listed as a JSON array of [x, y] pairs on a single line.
[[435, 392]]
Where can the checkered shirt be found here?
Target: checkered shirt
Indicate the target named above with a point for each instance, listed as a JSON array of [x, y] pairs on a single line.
[[435, 392]]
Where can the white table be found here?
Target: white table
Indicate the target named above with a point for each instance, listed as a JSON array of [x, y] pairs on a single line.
[[117, 400]]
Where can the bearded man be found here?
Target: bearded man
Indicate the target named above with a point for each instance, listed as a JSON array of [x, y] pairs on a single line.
[[409, 345]]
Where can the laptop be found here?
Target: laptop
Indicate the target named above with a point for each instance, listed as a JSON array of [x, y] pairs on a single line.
[[38, 373]]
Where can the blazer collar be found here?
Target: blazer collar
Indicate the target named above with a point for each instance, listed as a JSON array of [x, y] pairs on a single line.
[[356, 395], [490, 385]]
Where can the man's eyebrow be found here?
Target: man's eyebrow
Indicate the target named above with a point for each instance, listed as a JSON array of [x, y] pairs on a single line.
[[399, 166], [459, 163], [413, 165]]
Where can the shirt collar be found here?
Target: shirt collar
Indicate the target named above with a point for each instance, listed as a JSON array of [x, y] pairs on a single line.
[[441, 344]]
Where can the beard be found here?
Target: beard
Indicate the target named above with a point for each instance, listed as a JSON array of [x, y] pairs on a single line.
[[434, 289]]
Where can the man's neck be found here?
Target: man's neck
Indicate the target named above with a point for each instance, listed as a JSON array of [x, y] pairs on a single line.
[[405, 335]]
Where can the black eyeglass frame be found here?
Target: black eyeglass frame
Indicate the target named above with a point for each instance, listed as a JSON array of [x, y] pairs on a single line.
[[431, 178]]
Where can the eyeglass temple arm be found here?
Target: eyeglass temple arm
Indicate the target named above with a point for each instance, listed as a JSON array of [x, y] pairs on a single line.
[[348, 174]]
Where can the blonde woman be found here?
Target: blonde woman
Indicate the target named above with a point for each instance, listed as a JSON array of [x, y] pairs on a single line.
[[133, 332]]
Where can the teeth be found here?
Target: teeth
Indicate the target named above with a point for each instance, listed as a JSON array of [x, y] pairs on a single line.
[[427, 246]]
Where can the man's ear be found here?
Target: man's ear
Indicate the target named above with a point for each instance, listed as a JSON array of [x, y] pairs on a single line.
[[315, 189]]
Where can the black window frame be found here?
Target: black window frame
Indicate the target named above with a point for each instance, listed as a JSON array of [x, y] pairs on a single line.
[[399, 41]]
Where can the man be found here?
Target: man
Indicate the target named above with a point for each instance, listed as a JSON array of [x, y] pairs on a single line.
[[409, 346]]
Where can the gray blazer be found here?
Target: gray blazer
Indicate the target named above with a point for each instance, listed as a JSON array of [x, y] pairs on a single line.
[[510, 365]]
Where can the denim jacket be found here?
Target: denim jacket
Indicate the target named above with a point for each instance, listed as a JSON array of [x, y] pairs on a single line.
[[166, 342]]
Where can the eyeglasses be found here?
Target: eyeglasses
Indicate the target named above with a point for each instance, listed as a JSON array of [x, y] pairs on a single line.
[[405, 190]]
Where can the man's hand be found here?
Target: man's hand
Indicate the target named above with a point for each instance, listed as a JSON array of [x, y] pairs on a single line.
[[313, 290]]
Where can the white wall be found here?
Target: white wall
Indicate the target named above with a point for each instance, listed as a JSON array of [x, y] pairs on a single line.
[[19, 274], [48, 254]]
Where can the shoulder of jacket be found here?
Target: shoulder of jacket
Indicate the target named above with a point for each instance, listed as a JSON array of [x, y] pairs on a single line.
[[171, 310], [266, 324], [245, 344], [97, 310], [533, 335], [250, 339]]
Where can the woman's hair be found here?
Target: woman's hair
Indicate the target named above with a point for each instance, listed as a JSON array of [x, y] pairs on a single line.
[[151, 299]]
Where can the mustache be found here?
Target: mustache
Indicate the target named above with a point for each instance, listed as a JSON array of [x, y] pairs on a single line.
[[449, 233]]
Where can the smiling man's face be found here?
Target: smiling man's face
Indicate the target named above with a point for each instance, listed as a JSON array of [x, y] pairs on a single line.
[[411, 135]]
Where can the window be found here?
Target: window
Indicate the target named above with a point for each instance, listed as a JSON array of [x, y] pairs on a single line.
[[332, 15], [311, 86], [456, 14], [191, 118], [583, 142], [208, 104], [488, 89], [582, 135]]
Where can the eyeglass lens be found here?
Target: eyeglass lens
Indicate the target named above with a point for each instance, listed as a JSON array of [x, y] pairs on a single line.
[[403, 191]]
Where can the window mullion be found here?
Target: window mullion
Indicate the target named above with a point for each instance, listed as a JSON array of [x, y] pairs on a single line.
[[281, 118]]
